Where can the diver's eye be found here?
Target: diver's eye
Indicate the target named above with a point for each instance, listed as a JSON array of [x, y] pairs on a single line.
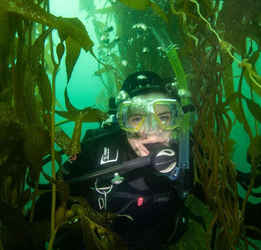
[[165, 118], [135, 120]]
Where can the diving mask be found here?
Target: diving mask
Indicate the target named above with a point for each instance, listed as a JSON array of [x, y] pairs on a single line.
[[139, 113]]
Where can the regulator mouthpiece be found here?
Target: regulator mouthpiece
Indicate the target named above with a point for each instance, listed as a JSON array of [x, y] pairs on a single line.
[[164, 160]]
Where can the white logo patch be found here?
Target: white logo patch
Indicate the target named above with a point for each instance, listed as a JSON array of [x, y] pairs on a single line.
[[106, 156]]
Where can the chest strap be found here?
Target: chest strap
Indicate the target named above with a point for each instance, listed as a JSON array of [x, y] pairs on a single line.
[[140, 199]]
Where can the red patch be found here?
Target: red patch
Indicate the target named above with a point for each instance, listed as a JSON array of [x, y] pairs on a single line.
[[140, 201]]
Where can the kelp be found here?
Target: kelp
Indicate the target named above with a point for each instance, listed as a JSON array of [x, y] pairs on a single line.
[[96, 233], [92, 114], [194, 238], [73, 53], [212, 130], [89, 114], [18, 232], [31, 11], [27, 115]]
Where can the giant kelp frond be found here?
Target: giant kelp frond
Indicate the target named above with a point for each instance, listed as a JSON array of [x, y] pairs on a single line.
[[91, 114], [72, 53], [72, 27], [96, 233], [99, 237], [36, 144], [31, 11], [44, 86], [31, 72]]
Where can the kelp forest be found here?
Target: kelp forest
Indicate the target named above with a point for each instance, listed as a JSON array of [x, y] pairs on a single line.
[[218, 44]]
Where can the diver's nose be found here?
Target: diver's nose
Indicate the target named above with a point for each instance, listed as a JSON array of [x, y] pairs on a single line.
[[152, 123], [150, 126]]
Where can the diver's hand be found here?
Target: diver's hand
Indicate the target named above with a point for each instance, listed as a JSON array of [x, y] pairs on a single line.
[[139, 144]]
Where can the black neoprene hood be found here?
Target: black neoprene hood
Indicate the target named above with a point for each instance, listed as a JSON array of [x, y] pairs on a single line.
[[143, 82]]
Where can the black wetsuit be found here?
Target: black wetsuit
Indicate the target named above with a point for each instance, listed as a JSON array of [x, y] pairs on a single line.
[[150, 198]]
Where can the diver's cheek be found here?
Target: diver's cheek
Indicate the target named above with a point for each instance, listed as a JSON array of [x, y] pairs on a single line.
[[166, 136]]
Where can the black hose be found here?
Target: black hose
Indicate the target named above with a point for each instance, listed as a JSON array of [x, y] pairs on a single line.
[[125, 166]]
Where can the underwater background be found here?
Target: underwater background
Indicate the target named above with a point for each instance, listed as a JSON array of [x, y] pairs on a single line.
[[95, 45]]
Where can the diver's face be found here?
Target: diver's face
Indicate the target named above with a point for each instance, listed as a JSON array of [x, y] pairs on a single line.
[[146, 119], [154, 121]]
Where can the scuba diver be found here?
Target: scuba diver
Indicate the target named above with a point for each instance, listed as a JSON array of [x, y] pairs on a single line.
[[130, 167]]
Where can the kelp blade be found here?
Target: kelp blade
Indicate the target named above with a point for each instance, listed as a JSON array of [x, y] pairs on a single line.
[[31, 11]]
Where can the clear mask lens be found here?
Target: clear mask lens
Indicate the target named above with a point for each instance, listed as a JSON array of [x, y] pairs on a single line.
[[138, 113]]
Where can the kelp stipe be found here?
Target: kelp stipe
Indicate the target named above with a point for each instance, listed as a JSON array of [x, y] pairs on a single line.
[[182, 174]]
